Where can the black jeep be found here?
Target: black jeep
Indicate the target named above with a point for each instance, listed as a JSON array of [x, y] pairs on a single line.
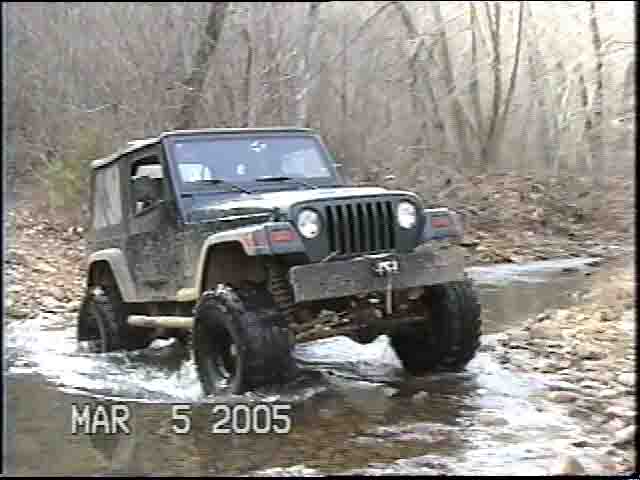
[[235, 239]]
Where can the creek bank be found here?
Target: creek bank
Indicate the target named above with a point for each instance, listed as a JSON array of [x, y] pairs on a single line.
[[586, 356]]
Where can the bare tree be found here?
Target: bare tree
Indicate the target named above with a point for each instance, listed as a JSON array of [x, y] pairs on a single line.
[[421, 83], [541, 90], [250, 107], [491, 146], [480, 86], [598, 156], [304, 77], [457, 118], [194, 83]]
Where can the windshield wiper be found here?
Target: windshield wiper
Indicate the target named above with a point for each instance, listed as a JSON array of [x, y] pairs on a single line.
[[284, 179], [218, 181]]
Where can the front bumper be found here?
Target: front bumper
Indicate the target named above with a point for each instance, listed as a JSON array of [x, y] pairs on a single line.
[[345, 278]]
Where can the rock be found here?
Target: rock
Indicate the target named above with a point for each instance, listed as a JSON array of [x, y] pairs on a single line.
[[610, 451], [537, 188], [546, 366], [590, 385], [489, 420], [490, 342], [545, 332], [578, 412], [44, 268], [615, 425], [562, 315], [19, 313], [619, 411], [588, 352], [389, 391], [582, 442], [57, 293], [73, 306], [563, 385], [607, 316], [568, 465], [563, 396], [628, 322], [519, 336], [469, 243], [420, 397], [627, 379], [626, 435], [609, 393], [542, 316]]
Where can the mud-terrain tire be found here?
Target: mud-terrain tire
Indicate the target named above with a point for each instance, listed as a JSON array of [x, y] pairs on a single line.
[[450, 335], [240, 341], [103, 317]]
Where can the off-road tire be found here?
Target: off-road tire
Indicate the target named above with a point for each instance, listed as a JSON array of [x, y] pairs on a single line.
[[450, 335], [249, 319], [103, 316]]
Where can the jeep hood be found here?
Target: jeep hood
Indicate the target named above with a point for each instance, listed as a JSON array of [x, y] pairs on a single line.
[[215, 206]]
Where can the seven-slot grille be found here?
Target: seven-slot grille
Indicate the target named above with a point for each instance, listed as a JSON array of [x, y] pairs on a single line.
[[363, 226]]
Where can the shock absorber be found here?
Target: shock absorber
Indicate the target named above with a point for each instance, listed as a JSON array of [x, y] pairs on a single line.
[[280, 290]]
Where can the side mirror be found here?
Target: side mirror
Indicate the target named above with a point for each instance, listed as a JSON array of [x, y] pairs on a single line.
[[147, 190]]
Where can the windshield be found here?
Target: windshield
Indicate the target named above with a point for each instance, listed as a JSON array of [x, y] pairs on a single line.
[[202, 163]]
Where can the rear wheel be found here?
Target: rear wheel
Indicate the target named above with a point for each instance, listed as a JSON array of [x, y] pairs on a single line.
[[450, 335], [240, 341], [102, 323]]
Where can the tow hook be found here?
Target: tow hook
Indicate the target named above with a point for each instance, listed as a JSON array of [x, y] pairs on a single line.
[[387, 268]]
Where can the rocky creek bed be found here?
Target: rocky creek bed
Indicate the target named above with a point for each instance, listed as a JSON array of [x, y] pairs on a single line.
[[587, 356]]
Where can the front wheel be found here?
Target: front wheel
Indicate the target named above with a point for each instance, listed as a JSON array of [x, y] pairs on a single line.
[[449, 336], [240, 341]]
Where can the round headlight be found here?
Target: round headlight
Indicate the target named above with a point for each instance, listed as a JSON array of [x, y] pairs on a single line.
[[407, 215], [309, 223]]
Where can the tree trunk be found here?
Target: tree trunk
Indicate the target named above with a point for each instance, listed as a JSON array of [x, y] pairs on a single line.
[[460, 137], [250, 107], [489, 146], [194, 83], [304, 72], [418, 106], [584, 161], [474, 84], [539, 91], [628, 105], [598, 154], [344, 105], [495, 135]]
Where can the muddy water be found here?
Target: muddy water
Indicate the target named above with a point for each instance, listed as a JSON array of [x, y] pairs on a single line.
[[353, 408]]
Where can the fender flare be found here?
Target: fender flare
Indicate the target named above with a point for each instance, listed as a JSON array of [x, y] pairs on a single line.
[[115, 258], [255, 240]]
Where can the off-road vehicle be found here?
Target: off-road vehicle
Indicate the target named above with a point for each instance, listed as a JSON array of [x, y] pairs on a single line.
[[235, 239]]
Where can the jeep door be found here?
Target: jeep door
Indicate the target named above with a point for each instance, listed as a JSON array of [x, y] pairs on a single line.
[[150, 246]]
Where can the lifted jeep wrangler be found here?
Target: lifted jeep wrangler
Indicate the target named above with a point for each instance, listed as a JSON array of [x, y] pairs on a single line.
[[235, 239]]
